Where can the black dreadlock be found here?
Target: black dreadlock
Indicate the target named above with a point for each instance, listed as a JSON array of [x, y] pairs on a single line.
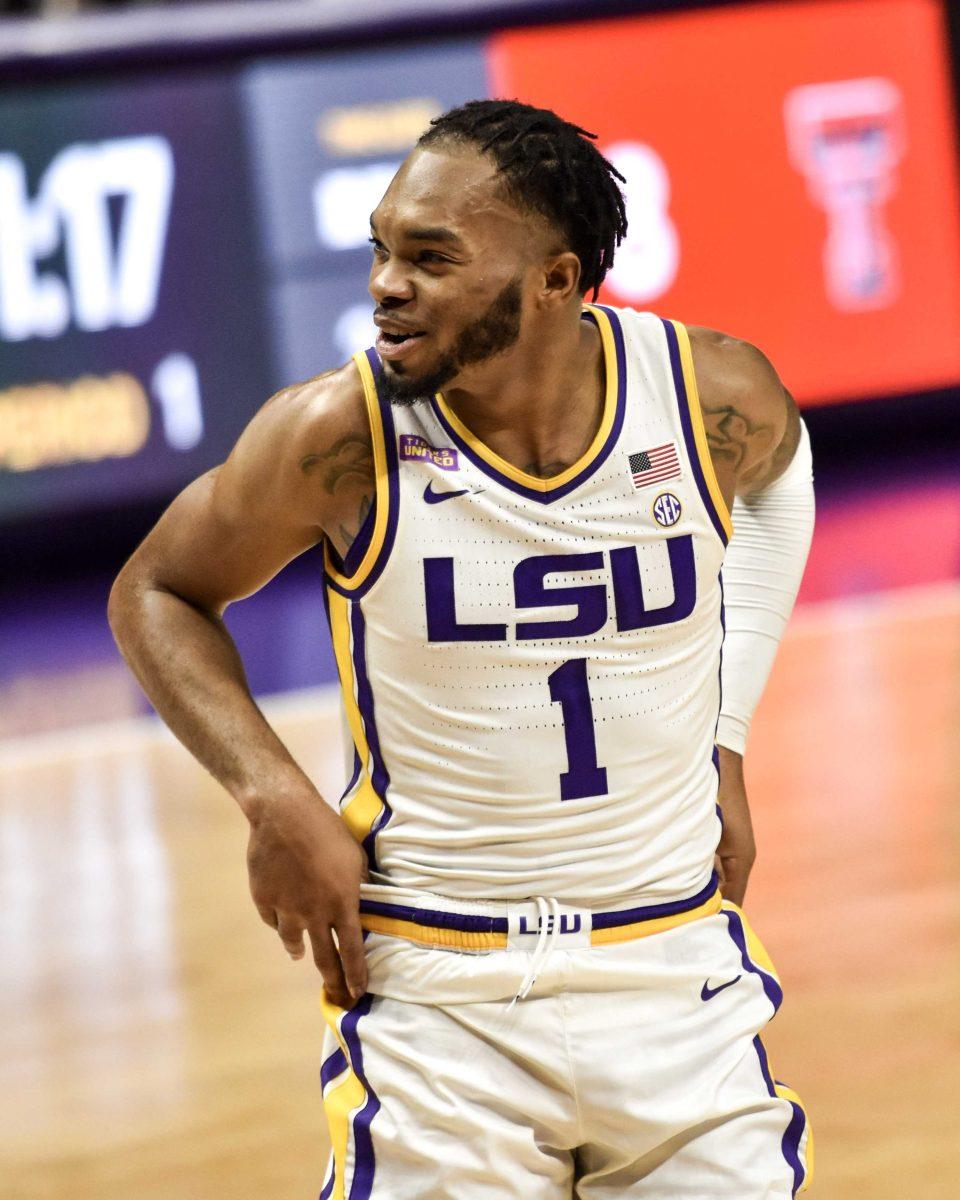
[[548, 166]]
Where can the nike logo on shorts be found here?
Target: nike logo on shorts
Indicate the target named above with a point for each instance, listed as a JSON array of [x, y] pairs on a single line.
[[708, 993], [433, 497]]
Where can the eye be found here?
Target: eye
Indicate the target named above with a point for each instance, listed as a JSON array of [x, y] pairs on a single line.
[[432, 257], [377, 246]]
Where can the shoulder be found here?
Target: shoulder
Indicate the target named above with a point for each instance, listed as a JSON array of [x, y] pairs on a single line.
[[313, 414], [751, 420], [296, 437], [735, 372]]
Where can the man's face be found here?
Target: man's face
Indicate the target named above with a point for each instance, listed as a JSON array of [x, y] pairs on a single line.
[[450, 253]]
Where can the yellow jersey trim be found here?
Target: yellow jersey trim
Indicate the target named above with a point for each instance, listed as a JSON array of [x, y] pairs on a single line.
[[381, 484], [600, 438], [699, 432]]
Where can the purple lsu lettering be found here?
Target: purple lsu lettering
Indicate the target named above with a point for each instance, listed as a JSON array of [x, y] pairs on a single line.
[[530, 590], [568, 924]]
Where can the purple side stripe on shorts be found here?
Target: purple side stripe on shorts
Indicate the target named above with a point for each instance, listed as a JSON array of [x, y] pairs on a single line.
[[770, 986], [328, 1186], [333, 1066], [790, 1144], [364, 1162], [764, 1065]]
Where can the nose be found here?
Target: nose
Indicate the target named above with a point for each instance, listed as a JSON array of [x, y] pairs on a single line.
[[390, 283]]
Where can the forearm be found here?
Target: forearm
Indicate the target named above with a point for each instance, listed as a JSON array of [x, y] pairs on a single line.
[[761, 576], [187, 663]]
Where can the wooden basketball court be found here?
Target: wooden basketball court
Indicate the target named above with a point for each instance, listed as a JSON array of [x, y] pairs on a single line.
[[157, 1043]]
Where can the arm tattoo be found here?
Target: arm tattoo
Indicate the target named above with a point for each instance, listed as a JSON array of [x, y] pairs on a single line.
[[347, 463], [350, 455], [730, 432]]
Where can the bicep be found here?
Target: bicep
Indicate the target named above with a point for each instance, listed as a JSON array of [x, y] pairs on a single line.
[[213, 546]]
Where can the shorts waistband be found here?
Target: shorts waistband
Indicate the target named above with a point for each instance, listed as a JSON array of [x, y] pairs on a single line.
[[494, 925]]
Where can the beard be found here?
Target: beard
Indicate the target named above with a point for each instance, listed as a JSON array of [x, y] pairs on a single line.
[[490, 334]]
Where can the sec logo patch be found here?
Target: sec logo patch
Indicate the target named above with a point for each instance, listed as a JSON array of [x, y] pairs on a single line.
[[666, 509]]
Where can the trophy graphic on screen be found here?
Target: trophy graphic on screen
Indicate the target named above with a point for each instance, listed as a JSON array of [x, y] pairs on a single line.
[[847, 138]]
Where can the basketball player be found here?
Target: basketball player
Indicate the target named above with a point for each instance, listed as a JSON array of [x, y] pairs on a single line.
[[538, 981]]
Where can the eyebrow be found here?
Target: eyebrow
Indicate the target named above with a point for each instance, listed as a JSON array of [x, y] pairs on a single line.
[[433, 233]]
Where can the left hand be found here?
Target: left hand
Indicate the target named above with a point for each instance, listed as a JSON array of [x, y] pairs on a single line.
[[737, 850]]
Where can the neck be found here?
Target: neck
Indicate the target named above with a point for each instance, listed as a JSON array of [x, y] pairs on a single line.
[[539, 404]]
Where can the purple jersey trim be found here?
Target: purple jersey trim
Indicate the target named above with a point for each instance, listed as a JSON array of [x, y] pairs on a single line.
[[380, 776], [354, 776], [603, 454], [715, 752], [358, 547], [393, 504], [683, 406]]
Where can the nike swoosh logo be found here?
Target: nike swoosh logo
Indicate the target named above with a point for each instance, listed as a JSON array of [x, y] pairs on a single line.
[[433, 497], [708, 993]]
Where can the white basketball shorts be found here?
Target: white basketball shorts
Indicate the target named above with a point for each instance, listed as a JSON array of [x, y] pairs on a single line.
[[632, 1066]]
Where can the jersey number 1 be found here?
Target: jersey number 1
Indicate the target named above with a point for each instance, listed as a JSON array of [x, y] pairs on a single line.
[[570, 688]]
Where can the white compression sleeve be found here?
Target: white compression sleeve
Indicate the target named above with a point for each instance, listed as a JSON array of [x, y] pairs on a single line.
[[761, 577]]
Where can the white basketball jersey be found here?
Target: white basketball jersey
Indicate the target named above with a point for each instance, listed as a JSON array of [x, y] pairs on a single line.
[[531, 667]]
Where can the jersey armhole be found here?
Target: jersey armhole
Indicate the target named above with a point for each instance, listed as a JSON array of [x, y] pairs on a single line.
[[346, 565], [365, 559], [694, 432]]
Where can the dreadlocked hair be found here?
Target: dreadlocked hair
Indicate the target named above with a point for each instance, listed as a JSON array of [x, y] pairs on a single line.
[[548, 165]]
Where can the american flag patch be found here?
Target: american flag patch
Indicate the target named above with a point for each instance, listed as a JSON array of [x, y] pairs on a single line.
[[655, 465]]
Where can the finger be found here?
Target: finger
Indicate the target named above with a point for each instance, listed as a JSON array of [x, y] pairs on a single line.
[[268, 916], [352, 957], [328, 964], [291, 934]]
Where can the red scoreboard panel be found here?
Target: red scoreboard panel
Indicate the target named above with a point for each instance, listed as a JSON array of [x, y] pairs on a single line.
[[792, 177]]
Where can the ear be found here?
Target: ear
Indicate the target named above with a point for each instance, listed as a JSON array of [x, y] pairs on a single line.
[[561, 279]]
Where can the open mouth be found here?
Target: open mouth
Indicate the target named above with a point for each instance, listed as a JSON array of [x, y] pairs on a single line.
[[397, 339], [395, 345]]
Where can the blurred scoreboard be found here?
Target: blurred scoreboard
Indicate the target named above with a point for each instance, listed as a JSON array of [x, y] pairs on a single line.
[[174, 249], [131, 312]]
